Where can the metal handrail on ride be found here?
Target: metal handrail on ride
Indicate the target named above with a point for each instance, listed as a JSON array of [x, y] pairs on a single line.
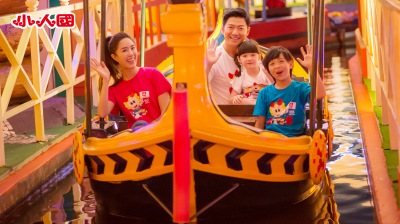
[[88, 103], [317, 61]]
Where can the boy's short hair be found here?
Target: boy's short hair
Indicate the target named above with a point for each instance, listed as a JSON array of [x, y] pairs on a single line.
[[274, 53], [236, 12]]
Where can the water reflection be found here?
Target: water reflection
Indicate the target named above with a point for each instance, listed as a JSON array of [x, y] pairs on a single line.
[[61, 200]]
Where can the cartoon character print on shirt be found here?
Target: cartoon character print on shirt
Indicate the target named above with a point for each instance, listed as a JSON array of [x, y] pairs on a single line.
[[255, 88], [231, 76], [279, 111], [134, 104]]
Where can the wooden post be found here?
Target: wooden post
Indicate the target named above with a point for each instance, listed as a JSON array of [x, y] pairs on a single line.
[[32, 5], [2, 155], [36, 74], [64, 2], [36, 78]]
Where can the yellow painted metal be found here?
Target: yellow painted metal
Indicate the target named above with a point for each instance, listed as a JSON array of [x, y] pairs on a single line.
[[318, 157], [206, 121], [330, 135], [167, 65], [78, 158]]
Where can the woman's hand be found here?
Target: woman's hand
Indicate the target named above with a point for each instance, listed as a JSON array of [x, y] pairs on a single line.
[[101, 69], [238, 99], [307, 62]]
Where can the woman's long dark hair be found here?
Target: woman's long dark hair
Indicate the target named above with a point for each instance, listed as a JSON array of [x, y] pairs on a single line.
[[111, 46], [248, 46]]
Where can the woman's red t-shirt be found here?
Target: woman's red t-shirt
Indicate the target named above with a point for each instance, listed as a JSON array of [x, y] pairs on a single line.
[[138, 97]]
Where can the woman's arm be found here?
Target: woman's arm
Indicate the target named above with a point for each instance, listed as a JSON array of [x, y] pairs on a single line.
[[105, 106], [260, 123], [163, 101]]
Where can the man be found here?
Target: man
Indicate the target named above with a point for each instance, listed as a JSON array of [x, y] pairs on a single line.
[[220, 60]]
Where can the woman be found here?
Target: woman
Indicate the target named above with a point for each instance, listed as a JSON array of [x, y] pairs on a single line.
[[142, 94]]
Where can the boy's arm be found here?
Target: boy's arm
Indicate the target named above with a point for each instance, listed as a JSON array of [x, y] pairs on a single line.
[[260, 123], [321, 93], [211, 55], [307, 62]]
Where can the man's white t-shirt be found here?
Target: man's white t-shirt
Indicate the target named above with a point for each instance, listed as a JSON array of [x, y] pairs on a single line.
[[220, 75]]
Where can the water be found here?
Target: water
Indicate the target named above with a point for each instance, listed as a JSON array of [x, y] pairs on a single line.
[[62, 200]]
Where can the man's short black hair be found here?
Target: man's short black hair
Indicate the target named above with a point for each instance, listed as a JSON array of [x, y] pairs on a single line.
[[235, 12]]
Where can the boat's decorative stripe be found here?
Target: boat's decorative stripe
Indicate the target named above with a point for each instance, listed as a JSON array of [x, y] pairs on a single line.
[[88, 163], [240, 162], [146, 158], [168, 147], [100, 164], [120, 163], [200, 151], [306, 165], [233, 158], [140, 163], [289, 164], [264, 163]]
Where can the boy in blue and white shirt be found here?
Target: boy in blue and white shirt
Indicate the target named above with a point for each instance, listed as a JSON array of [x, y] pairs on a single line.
[[281, 107]]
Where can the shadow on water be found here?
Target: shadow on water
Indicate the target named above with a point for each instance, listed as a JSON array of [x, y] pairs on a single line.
[[61, 199]]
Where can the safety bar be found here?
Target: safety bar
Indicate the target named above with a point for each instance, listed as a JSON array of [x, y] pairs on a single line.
[[317, 61], [88, 100]]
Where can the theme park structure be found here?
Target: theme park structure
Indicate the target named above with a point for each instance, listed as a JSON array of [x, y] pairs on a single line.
[[194, 155]]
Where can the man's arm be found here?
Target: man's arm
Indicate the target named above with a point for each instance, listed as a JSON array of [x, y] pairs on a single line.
[[211, 55]]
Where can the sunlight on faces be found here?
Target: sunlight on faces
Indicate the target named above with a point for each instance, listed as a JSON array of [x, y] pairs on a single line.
[[235, 31], [126, 54], [249, 60], [280, 68]]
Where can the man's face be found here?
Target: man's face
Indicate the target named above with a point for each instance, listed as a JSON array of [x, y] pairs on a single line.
[[235, 31]]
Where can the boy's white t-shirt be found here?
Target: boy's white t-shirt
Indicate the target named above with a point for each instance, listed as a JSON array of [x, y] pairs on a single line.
[[245, 84], [220, 75]]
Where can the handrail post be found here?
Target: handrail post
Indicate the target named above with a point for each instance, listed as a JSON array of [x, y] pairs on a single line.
[[88, 102], [122, 18], [264, 10], [246, 7], [321, 48], [142, 32], [2, 154], [314, 69], [309, 26], [103, 30], [32, 5]]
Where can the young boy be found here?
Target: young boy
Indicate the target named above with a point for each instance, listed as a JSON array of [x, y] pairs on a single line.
[[281, 107], [220, 60]]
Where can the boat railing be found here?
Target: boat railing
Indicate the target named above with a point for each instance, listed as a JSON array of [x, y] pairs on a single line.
[[378, 49], [73, 44]]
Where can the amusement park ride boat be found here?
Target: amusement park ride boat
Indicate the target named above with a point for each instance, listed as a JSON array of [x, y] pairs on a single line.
[[194, 158]]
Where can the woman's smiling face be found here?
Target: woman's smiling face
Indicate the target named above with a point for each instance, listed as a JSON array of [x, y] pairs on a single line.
[[126, 54]]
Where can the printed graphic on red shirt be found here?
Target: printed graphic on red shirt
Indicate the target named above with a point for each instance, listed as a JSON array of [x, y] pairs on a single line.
[[281, 114], [134, 104]]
